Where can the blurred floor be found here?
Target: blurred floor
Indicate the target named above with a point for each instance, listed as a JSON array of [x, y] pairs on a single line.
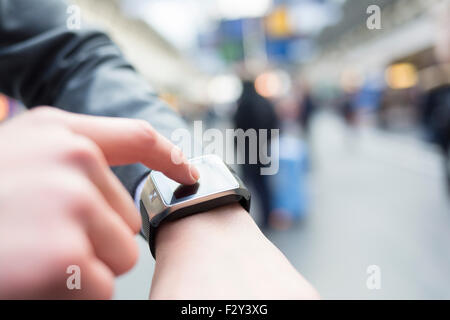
[[377, 199]]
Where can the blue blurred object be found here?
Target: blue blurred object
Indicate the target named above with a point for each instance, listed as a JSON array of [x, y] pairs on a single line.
[[289, 184], [231, 29], [369, 96]]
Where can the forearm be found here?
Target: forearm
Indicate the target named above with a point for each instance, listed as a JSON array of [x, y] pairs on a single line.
[[222, 254]]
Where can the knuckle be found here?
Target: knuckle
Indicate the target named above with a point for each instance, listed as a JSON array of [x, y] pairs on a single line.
[[73, 256], [75, 196], [84, 151], [79, 198], [146, 134], [131, 257], [81, 205], [46, 113], [72, 250]]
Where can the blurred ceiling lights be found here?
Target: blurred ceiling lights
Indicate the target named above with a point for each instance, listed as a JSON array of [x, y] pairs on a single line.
[[273, 84], [401, 76], [224, 89], [237, 9]]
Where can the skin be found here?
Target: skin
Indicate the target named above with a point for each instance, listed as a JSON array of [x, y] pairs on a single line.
[[61, 205], [222, 254]]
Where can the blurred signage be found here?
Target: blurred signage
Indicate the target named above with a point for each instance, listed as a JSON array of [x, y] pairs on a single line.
[[230, 40], [278, 24], [273, 37]]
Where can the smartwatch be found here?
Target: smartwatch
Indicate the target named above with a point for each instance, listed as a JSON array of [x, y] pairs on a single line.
[[163, 199]]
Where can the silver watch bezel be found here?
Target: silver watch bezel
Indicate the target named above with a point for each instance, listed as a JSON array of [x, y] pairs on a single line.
[[156, 207]]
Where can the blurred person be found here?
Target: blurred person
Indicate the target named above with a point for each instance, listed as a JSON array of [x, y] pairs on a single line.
[[436, 101], [436, 119], [350, 86], [307, 106], [349, 109], [289, 113], [61, 205], [289, 187], [256, 112]]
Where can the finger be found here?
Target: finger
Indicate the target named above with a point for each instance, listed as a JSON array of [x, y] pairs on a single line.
[[125, 141], [113, 242], [70, 270], [91, 162], [111, 239], [97, 282]]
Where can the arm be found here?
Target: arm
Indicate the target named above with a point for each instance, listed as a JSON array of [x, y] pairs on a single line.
[[80, 71], [84, 72], [222, 254]]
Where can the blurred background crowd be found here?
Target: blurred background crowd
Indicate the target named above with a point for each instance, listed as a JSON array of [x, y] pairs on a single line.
[[364, 119]]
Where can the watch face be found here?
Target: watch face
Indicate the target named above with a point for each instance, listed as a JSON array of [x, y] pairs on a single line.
[[215, 177]]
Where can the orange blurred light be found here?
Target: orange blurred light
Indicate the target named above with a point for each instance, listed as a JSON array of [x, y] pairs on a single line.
[[278, 24], [267, 84], [272, 83], [4, 107], [401, 76]]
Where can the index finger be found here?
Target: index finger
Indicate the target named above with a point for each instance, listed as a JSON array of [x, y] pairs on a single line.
[[126, 141]]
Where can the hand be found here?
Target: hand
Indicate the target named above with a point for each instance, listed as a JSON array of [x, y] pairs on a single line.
[[60, 204], [221, 254]]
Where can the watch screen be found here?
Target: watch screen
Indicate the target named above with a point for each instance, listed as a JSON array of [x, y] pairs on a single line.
[[184, 191], [215, 177]]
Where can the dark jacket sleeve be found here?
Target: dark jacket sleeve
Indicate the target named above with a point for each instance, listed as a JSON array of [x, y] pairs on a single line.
[[42, 62]]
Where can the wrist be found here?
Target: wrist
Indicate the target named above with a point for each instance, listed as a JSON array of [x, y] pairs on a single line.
[[222, 254], [204, 231]]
